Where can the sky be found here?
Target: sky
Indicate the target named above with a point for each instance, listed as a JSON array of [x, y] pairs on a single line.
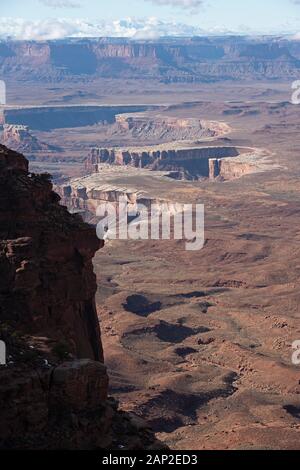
[[55, 19]]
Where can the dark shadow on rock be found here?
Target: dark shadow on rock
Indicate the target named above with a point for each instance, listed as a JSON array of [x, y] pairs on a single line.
[[140, 305]]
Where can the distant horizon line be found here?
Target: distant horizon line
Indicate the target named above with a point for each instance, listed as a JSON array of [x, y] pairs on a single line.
[[290, 36]]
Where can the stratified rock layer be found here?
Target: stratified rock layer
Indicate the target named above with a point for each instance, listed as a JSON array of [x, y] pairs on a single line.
[[169, 60], [189, 163]]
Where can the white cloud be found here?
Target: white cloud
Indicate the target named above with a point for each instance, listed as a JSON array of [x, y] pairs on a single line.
[[61, 3], [191, 5], [18, 28], [146, 28]]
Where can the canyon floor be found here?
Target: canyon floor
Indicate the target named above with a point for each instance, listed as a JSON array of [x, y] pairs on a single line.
[[200, 343]]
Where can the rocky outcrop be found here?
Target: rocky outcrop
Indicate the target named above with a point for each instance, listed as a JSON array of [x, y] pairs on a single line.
[[46, 262], [53, 390], [228, 169], [19, 138], [12, 162]]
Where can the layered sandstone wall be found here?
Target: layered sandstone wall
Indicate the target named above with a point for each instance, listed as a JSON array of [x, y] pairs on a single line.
[[84, 197], [148, 128], [229, 168], [194, 162]]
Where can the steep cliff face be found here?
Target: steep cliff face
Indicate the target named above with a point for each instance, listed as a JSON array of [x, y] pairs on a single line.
[[46, 259], [190, 162], [53, 389], [46, 118], [230, 168]]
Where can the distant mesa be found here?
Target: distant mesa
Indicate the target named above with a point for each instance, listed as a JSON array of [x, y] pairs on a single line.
[[46, 118], [169, 60], [189, 163], [158, 128]]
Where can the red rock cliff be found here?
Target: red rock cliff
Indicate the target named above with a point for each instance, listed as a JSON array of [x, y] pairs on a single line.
[[46, 261], [53, 389]]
